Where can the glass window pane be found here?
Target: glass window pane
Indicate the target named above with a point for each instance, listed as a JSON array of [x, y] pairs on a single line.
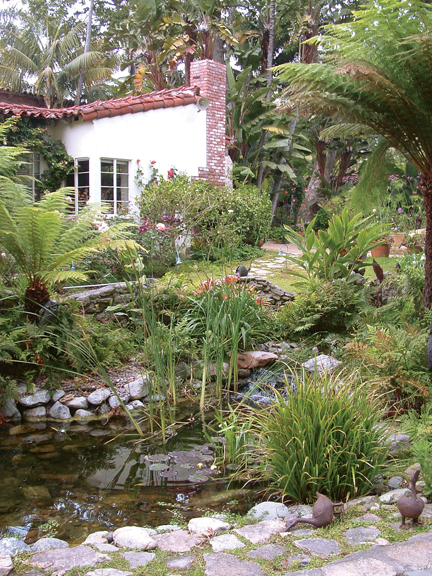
[[83, 166], [107, 194], [122, 180], [122, 167], [122, 194], [107, 166], [107, 179]]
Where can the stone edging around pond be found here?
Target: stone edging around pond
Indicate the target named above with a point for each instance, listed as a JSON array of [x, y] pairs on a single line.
[[253, 548], [96, 300]]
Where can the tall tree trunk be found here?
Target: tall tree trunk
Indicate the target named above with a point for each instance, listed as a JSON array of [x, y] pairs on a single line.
[[426, 184], [272, 12], [86, 49]]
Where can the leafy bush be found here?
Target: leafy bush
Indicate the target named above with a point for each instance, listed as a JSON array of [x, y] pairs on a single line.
[[321, 220], [325, 438], [394, 362], [324, 306], [334, 253]]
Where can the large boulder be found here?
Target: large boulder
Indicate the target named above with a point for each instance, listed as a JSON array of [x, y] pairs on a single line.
[[258, 359], [98, 396], [135, 537], [138, 388], [37, 399]]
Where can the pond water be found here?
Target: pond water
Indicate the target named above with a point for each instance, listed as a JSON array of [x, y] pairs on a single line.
[[98, 476]]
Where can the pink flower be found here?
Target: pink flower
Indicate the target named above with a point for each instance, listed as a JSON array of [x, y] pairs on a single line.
[[160, 227], [170, 173], [3, 254], [153, 162], [68, 199]]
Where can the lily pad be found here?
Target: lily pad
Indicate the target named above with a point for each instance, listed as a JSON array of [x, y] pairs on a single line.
[[158, 466], [169, 474], [206, 457], [158, 457], [177, 453], [198, 478], [187, 466], [181, 460]]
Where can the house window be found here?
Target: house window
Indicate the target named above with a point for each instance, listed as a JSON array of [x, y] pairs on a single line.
[[115, 184], [31, 167], [82, 183]]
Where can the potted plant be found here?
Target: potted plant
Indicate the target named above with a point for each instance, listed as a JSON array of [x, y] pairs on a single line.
[[382, 250]]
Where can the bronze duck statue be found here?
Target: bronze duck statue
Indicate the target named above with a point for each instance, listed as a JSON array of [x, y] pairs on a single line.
[[411, 506], [322, 513]]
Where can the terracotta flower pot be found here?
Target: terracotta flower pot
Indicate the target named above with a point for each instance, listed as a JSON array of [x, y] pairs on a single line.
[[398, 238], [382, 251]]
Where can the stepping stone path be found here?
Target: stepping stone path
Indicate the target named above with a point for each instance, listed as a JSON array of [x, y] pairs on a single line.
[[215, 548]]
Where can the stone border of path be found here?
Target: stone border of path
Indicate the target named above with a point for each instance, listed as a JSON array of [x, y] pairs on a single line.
[[214, 547]]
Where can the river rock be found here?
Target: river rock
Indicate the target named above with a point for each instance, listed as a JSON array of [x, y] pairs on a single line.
[[113, 401], [226, 542], [393, 496], [37, 399], [137, 559], [395, 482], [65, 559], [60, 411], [34, 413], [97, 537], [9, 410], [79, 402], [49, 544], [108, 572], [207, 526], [322, 363], [321, 547], [138, 388], [57, 395], [223, 564], [369, 518], [269, 511], [257, 359], [36, 493], [361, 535], [103, 409], [135, 537], [6, 564], [181, 562], [83, 414], [98, 396], [10, 546], [136, 405]]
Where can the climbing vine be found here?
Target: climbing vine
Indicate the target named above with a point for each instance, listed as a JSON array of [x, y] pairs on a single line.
[[32, 135]]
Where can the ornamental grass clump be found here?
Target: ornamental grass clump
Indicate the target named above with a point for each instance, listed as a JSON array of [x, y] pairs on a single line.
[[325, 438]]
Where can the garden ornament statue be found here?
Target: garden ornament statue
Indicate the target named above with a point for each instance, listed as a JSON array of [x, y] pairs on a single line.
[[411, 506], [322, 513], [242, 271]]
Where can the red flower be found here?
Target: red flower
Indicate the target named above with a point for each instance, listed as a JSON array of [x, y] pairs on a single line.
[[170, 173], [138, 160], [153, 162]]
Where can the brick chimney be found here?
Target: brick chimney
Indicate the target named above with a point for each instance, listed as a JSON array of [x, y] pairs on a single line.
[[210, 77]]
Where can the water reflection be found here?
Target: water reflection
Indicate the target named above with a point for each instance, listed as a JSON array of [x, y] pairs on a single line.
[[84, 483]]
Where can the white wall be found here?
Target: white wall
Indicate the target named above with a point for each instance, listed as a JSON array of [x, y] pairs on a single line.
[[173, 137]]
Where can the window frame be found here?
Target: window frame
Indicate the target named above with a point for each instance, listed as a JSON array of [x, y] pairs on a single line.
[[115, 201]]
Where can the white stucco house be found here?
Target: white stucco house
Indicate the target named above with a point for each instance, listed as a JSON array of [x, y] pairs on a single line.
[[111, 140]]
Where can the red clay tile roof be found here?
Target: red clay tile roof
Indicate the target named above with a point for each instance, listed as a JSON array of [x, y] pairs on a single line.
[[109, 108]]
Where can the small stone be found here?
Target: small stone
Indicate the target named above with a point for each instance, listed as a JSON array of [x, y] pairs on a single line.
[[10, 546], [103, 409], [9, 410], [135, 537], [226, 542], [106, 547], [108, 572], [269, 552], [49, 544], [37, 399], [321, 547], [34, 413], [257, 359], [36, 493], [393, 496], [181, 562], [222, 564], [83, 415], [269, 511], [167, 528], [369, 518], [262, 531], [135, 405], [321, 363], [97, 537], [300, 510], [138, 388], [362, 534], [301, 559], [79, 402], [395, 482], [57, 395], [98, 396], [137, 559], [68, 558], [177, 542], [6, 564], [60, 412], [207, 526]]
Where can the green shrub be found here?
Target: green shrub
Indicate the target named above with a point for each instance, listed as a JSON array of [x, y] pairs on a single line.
[[321, 220], [393, 360], [325, 438], [324, 306]]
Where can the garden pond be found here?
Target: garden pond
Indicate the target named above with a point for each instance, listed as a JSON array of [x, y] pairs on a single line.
[[70, 480]]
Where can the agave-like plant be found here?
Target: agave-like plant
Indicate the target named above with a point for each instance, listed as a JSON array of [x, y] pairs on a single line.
[[46, 238]]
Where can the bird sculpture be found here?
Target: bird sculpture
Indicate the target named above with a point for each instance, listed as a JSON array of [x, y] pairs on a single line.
[[322, 513], [242, 271], [411, 506]]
